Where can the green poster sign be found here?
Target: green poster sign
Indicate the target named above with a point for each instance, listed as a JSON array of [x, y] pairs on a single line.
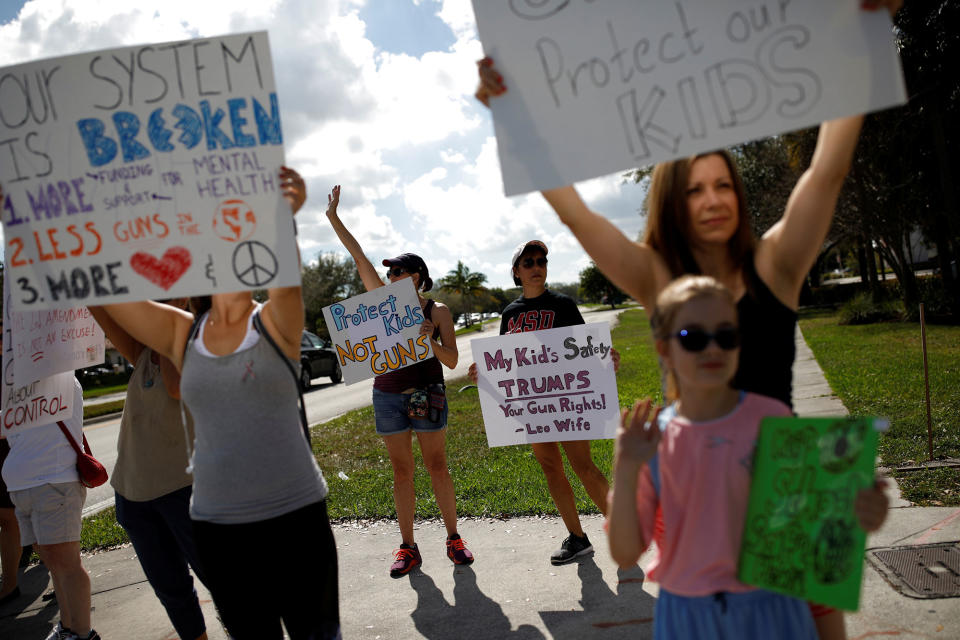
[[801, 537]]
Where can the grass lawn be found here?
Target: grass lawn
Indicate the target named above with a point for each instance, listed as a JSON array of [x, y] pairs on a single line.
[[102, 409], [877, 369], [96, 392]]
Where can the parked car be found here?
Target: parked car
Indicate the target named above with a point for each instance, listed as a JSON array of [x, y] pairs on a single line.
[[317, 358]]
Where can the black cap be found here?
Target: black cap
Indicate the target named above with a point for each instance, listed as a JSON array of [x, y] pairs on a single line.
[[413, 264]]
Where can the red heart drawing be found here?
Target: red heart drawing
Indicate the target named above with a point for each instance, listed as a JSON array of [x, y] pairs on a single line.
[[165, 271]]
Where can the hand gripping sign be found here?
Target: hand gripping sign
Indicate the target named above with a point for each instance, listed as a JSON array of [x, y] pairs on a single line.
[[144, 172], [598, 87], [547, 386], [378, 331]]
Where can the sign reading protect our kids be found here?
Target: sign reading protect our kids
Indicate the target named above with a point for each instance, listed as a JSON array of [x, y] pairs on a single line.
[[801, 536], [597, 87], [144, 172], [378, 331], [547, 386]]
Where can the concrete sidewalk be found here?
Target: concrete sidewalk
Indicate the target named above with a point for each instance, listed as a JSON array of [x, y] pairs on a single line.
[[511, 591]]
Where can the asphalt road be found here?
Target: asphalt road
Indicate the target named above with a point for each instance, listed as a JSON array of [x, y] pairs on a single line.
[[324, 401]]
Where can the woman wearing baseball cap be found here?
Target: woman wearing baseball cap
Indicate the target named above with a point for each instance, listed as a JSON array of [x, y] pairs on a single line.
[[397, 394]]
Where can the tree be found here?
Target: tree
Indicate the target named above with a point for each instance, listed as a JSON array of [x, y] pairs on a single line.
[[325, 281], [595, 287], [468, 285]]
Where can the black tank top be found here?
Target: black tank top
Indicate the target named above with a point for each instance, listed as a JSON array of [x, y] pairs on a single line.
[[767, 348], [416, 376]]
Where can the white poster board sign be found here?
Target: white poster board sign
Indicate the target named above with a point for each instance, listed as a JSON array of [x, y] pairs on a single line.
[[378, 331], [38, 402], [598, 87], [53, 341], [144, 172], [547, 386]]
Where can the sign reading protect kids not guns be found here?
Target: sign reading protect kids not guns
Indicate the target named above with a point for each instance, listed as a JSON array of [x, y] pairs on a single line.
[[547, 386], [597, 87], [144, 172], [378, 331], [801, 536]]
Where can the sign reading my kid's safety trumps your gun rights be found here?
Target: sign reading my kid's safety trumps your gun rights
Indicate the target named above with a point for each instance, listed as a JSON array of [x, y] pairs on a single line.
[[378, 331], [598, 87], [547, 386], [144, 172]]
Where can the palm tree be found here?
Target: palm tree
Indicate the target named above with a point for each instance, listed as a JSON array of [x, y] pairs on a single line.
[[465, 283]]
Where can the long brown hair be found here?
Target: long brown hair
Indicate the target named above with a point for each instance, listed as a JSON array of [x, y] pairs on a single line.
[[668, 217]]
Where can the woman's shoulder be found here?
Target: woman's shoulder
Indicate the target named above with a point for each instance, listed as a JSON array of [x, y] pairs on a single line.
[[765, 405]]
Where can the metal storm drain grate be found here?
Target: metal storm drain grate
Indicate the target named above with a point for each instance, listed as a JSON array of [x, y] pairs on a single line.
[[920, 571]]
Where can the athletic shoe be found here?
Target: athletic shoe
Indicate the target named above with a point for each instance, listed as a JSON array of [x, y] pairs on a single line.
[[406, 558], [59, 632], [92, 636], [457, 550], [572, 548]]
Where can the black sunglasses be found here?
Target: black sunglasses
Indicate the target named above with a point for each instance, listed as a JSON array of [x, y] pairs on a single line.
[[727, 338], [529, 262], [396, 272]]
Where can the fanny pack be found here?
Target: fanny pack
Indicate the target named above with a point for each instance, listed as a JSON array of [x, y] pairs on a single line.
[[427, 403]]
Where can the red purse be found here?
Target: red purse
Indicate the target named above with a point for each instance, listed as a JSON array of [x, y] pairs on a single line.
[[92, 473]]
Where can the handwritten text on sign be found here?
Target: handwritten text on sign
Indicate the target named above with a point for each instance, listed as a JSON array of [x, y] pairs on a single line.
[[37, 402], [546, 386], [54, 340], [378, 331], [144, 172], [598, 87]]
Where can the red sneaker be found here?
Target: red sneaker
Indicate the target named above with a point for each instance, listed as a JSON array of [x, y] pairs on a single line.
[[457, 550], [406, 558]]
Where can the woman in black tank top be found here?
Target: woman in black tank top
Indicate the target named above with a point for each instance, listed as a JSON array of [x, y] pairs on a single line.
[[394, 394]]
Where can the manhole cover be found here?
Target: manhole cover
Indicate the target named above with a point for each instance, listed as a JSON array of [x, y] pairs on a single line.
[[920, 571]]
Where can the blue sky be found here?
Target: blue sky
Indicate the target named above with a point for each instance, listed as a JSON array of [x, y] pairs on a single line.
[[376, 96]]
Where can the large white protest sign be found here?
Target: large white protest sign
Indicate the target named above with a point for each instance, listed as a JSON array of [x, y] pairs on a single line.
[[378, 331], [38, 402], [595, 87], [53, 341], [144, 172], [546, 386]]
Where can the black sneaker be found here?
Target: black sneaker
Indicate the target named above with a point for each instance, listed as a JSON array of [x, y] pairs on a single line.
[[571, 549]]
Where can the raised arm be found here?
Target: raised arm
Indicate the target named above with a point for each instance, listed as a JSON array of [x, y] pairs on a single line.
[[159, 326], [283, 312], [446, 348], [125, 344], [368, 273], [635, 268]]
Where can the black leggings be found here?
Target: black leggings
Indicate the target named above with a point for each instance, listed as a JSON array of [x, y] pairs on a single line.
[[255, 588]]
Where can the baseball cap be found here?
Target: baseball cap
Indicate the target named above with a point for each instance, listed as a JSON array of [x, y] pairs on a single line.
[[523, 246], [413, 264]]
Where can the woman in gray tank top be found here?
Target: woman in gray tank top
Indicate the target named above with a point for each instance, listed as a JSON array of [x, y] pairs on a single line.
[[255, 477], [392, 394]]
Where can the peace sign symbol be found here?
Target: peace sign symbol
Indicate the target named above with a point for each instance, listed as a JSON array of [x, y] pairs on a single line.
[[254, 264]]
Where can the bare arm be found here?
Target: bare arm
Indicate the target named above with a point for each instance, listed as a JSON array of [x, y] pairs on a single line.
[[446, 349], [789, 248], [368, 273], [161, 327], [125, 344]]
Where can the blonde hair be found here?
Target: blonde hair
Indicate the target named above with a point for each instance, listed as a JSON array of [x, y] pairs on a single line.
[[676, 294]]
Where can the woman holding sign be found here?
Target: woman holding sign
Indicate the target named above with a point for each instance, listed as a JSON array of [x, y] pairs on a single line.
[[254, 474], [697, 224], [398, 399]]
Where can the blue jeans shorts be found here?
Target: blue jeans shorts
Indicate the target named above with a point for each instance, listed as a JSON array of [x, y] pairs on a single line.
[[390, 411]]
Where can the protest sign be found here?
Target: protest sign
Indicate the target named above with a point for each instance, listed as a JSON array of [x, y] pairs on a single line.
[[38, 402], [801, 537], [598, 87], [54, 340], [144, 172], [547, 386], [378, 331]]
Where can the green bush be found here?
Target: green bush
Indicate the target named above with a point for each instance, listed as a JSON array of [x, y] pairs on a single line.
[[863, 309]]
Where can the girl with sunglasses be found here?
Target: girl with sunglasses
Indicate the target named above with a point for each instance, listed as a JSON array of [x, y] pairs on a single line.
[[396, 393], [682, 477]]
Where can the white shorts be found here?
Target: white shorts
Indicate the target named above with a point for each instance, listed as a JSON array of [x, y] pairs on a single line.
[[50, 513]]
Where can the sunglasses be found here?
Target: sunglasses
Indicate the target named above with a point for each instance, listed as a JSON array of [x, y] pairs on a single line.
[[694, 340], [529, 262], [396, 272]]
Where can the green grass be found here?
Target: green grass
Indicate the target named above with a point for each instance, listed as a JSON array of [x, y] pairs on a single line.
[[93, 411], [877, 369], [476, 326], [102, 531], [96, 392], [500, 481]]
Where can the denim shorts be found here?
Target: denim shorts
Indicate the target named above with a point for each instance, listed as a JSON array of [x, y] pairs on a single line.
[[390, 411]]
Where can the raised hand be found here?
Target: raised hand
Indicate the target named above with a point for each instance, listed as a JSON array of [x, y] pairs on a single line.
[[638, 435], [333, 201], [491, 82], [293, 188]]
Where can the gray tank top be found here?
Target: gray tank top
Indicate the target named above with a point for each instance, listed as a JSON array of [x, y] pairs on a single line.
[[250, 459]]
